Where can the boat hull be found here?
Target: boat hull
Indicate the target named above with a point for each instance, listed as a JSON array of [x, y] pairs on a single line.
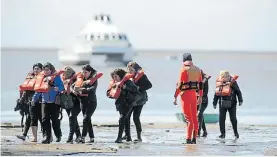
[[208, 117]]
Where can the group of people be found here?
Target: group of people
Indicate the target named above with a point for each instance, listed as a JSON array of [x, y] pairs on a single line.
[[46, 91], [193, 87]]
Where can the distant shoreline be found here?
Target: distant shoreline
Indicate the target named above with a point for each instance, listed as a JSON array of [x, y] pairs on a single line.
[[54, 49]]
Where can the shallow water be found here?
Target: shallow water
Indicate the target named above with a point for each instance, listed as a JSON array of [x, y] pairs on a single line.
[[171, 143]]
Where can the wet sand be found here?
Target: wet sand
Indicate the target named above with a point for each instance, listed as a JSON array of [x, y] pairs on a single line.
[[158, 139]]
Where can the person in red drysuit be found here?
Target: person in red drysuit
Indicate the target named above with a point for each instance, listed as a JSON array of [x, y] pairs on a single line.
[[189, 81]]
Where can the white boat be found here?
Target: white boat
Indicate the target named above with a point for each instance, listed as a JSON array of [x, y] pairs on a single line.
[[99, 37]]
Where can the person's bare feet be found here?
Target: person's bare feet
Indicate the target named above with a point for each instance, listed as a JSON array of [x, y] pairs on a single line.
[[34, 140]]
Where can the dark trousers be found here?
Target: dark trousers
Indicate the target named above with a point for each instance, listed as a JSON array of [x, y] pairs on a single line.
[[73, 121], [233, 118], [36, 116], [136, 110], [32, 118], [27, 124], [51, 111], [124, 119], [88, 110], [201, 108]]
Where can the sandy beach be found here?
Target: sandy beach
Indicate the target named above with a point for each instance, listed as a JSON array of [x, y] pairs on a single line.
[[158, 139]]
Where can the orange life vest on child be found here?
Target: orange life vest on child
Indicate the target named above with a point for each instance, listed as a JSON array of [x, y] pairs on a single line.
[[138, 75], [224, 88], [67, 82], [29, 83], [116, 90], [80, 81], [42, 82]]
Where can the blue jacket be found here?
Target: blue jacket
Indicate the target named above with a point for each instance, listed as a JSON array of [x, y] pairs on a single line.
[[50, 97]]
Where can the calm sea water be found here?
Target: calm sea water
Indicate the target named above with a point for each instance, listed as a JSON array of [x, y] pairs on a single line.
[[257, 81]]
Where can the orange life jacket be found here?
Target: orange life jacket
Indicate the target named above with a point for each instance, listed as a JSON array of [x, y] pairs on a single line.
[[138, 75], [224, 88], [80, 81], [191, 82], [67, 82], [29, 83], [116, 90], [42, 82]]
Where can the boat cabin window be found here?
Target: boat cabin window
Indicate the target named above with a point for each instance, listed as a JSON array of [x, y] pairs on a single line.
[[92, 37], [123, 37], [106, 37], [108, 18], [119, 37], [114, 37]]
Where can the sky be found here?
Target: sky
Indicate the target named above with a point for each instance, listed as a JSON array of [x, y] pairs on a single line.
[[249, 25]]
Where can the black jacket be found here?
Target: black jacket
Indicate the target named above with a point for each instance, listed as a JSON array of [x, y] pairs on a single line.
[[90, 90], [205, 99], [26, 97], [144, 84], [23, 103], [74, 97], [206, 88], [127, 95], [236, 94]]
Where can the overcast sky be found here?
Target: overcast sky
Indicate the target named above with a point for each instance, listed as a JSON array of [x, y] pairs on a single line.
[[172, 24]]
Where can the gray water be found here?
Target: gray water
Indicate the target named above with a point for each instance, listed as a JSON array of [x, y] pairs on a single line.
[[257, 80]]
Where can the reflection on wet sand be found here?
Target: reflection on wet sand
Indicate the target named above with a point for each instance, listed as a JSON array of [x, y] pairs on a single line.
[[158, 139]]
